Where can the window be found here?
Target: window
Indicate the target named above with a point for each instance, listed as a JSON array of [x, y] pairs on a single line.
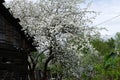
[[17, 38], [2, 29], [9, 34], [2, 37]]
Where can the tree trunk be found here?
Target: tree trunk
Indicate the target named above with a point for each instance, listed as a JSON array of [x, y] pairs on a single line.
[[45, 73], [32, 75]]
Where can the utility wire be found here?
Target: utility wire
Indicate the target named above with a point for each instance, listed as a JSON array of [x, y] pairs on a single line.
[[107, 20]]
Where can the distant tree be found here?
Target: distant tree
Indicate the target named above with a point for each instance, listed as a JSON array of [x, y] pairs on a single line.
[[101, 46], [104, 46], [107, 67], [117, 41], [111, 44]]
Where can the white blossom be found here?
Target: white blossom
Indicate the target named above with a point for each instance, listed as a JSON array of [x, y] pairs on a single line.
[[62, 24]]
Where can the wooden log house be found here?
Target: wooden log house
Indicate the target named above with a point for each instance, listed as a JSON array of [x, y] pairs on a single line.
[[14, 47]]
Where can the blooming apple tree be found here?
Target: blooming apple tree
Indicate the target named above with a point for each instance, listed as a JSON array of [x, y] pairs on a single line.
[[61, 31]]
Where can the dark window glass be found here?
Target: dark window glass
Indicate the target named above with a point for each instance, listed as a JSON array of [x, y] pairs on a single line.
[[9, 34], [2, 36], [2, 29], [17, 39]]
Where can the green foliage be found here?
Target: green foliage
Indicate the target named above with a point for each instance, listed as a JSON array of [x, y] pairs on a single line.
[[108, 69], [111, 43], [117, 41], [56, 68], [40, 62], [104, 47], [111, 65]]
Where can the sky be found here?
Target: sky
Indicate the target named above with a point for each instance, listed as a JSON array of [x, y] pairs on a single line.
[[109, 16]]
